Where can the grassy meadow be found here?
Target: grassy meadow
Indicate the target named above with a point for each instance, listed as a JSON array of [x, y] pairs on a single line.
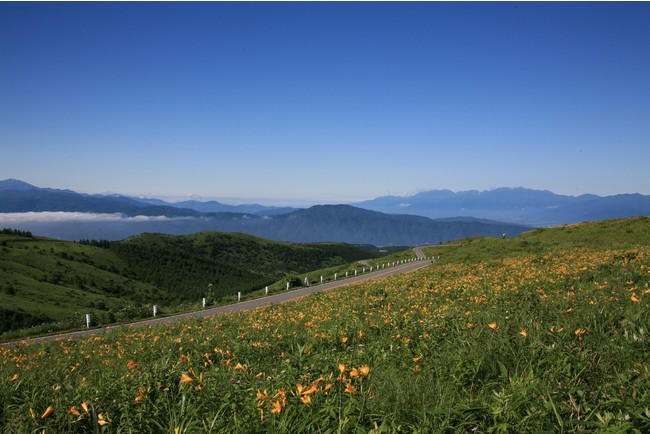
[[547, 332]]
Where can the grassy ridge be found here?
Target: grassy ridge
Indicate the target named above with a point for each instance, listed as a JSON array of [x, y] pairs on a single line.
[[545, 333], [55, 283]]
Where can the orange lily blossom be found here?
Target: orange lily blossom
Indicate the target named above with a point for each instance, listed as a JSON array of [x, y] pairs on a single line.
[[73, 411], [186, 378], [101, 420], [48, 411]]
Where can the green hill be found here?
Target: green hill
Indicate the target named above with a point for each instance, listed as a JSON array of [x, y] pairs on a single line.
[[55, 283], [621, 233]]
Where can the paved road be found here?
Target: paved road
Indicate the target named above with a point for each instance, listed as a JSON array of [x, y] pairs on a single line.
[[248, 304]]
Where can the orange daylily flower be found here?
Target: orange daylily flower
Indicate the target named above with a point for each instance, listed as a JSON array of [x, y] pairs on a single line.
[[523, 332], [73, 411], [132, 364], [493, 325], [84, 405], [261, 395], [14, 378], [634, 298], [349, 388], [101, 421], [277, 407], [365, 370], [303, 390], [240, 367], [305, 399], [48, 411], [580, 332], [354, 372], [186, 378], [342, 368]]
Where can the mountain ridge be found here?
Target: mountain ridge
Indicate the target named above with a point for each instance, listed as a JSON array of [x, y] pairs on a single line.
[[427, 217], [332, 223]]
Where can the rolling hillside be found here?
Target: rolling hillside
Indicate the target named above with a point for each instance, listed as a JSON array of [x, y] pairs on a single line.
[[47, 281], [545, 332]]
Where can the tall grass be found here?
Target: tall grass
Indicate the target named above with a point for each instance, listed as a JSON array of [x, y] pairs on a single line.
[[550, 341]]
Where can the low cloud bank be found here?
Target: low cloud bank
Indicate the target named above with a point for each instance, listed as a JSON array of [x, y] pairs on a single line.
[[60, 216]]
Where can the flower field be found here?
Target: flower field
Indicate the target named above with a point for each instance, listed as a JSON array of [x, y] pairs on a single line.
[[551, 341]]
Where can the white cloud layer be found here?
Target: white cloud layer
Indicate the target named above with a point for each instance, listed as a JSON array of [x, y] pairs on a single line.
[[60, 216]]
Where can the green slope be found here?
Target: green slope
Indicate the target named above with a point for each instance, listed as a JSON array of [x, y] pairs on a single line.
[[621, 233], [55, 283]]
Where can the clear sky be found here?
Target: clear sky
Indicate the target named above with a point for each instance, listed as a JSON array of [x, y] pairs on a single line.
[[325, 102]]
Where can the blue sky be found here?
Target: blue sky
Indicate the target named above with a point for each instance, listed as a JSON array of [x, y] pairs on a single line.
[[299, 103]]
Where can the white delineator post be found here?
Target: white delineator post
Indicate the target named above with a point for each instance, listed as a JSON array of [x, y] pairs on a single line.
[[87, 320], [266, 291], [155, 310], [203, 301], [238, 296]]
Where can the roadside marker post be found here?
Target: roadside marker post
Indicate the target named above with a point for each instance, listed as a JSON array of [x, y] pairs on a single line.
[[87, 320]]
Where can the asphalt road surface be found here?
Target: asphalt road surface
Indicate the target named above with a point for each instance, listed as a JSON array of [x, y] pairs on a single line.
[[248, 304]]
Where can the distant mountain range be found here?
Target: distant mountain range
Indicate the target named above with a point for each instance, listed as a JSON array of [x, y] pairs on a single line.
[[514, 205], [69, 215]]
